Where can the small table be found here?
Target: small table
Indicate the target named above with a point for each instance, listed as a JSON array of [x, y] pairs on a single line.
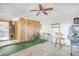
[[58, 37]]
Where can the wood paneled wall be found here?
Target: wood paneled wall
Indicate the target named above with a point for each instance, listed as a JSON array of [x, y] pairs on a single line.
[[25, 28], [11, 30]]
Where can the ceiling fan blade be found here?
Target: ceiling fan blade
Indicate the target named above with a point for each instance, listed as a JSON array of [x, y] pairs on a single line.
[[34, 10], [37, 14], [48, 9], [45, 13], [40, 6]]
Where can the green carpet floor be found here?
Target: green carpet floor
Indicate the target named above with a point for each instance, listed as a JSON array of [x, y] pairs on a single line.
[[13, 48]]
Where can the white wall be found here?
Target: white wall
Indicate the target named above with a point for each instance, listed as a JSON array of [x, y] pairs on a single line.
[[65, 22]]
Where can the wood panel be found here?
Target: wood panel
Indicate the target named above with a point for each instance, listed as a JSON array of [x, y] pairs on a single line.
[[25, 28], [11, 29]]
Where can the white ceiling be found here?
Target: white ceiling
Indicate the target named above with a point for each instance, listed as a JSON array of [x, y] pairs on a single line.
[[12, 10]]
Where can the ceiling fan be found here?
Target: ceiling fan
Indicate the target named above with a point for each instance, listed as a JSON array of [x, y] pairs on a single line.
[[42, 9]]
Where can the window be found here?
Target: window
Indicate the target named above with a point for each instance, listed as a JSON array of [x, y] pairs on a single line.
[[4, 30], [55, 27]]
